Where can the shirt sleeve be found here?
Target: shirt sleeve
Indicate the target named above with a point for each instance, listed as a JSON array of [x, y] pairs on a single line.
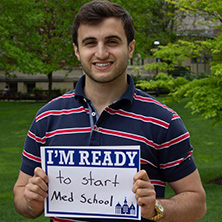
[[31, 152], [176, 160]]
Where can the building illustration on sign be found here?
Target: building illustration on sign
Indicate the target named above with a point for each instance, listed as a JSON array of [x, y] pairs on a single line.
[[125, 208]]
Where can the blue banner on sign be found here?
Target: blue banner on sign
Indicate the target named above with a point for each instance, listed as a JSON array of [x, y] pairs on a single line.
[[91, 157]]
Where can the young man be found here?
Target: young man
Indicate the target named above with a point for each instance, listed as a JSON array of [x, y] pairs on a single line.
[[106, 109]]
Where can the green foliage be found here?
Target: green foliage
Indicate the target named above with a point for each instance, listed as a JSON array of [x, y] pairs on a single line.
[[153, 19], [162, 83], [205, 94], [35, 36], [175, 54], [212, 10], [205, 97]]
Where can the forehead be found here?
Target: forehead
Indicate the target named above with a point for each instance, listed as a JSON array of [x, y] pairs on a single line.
[[108, 27]]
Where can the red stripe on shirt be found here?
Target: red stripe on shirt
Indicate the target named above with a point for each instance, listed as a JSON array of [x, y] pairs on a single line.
[[63, 97], [145, 99], [143, 139], [58, 132], [36, 138], [176, 162], [143, 161], [31, 156], [158, 183], [174, 141], [175, 116], [60, 112], [67, 131], [140, 117]]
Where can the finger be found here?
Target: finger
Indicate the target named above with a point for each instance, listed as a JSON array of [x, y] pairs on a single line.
[[141, 175], [143, 183], [38, 172], [38, 186], [34, 192], [40, 183], [147, 192], [147, 201], [40, 178]]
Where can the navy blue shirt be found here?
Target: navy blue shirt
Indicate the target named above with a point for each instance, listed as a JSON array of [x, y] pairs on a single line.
[[135, 119]]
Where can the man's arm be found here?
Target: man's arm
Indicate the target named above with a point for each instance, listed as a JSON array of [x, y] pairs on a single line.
[[30, 192], [188, 203]]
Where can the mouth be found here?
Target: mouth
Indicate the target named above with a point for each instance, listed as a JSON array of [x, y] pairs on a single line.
[[102, 65]]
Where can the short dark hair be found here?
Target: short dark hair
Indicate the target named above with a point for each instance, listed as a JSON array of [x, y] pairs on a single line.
[[94, 12]]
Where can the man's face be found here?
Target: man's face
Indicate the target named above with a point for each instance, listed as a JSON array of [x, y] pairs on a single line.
[[103, 50]]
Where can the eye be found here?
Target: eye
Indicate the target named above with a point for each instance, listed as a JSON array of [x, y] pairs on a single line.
[[112, 42], [90, 43]]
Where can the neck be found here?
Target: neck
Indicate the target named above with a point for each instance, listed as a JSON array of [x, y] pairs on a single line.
[[104, 94]]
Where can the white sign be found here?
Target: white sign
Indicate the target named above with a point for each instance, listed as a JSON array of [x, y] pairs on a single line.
[[91, 182]]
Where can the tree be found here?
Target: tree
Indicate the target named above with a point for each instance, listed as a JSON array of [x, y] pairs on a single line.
[[35, 36], [205, 94], [153, 20]]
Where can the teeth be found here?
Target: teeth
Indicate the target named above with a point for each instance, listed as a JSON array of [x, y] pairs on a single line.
[[102, 64]]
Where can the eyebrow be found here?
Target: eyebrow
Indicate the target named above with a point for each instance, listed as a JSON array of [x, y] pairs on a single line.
[[114, 37], [107, 37], [88, 38]]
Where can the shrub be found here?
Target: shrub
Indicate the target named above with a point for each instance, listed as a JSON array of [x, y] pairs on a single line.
[[162, 83]]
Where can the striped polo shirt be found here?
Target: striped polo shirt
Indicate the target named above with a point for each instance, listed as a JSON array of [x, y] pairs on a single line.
[[135, 119]]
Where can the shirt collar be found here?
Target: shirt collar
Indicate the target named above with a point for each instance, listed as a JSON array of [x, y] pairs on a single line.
[[128, 95], [79, 89]]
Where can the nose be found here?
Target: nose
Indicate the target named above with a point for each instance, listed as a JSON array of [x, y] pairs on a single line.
[[101, 51]]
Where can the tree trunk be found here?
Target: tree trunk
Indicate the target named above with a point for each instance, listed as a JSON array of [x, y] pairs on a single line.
[[50, 85]]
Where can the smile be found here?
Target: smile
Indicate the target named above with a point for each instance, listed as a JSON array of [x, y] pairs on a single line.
[[103, 64]]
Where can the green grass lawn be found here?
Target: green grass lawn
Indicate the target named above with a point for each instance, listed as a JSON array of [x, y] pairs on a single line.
[[15, 120]]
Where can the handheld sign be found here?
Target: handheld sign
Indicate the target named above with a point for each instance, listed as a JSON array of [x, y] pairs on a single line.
[[91, 182]]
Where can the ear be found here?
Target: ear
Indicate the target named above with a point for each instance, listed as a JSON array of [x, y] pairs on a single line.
[[131, 48], [76, 50]]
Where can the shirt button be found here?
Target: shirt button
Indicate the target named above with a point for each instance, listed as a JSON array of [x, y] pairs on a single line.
[[93, 113], [84, 99], [96, 128]]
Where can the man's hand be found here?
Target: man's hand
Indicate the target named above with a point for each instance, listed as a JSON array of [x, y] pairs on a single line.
[[188, 204], [36, 190], [145, 194], [30, 192]]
